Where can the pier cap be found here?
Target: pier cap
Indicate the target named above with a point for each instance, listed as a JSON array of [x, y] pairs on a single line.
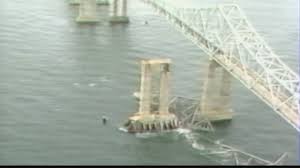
[[156, 61]]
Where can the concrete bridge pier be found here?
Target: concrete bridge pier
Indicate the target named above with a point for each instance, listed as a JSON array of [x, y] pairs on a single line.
[[87, 11], [145, 88], [119, 12], [147, 120], [99, 2], [216, 97], [164, 89]]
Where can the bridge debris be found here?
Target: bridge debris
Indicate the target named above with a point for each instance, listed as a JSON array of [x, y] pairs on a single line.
[[240, 157], [188, 112], [187, 108], [224, 154], [147, 119]]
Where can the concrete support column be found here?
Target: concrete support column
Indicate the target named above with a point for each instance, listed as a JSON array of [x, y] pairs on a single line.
[[225, 92], [164, 89], [87, 11], [124, 8], [216, 98], [114, 8], [145, 94], [119, 14]]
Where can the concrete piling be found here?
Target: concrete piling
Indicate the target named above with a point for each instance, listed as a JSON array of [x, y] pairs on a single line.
[[164, 89], [119, 12], [216, 97], [145, 94], [87, 12]]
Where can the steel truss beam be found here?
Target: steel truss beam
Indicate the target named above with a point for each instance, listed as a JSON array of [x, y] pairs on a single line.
[[226, 35]]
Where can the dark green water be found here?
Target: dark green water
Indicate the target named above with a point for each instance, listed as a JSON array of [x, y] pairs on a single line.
[[58, 78]]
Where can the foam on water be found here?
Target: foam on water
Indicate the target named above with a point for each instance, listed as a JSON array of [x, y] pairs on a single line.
[[92, 85], [204, 150], [190, 138], [195, 145], [104, 79], [122, 129], [76, 84], [146, 135], [183, 131]]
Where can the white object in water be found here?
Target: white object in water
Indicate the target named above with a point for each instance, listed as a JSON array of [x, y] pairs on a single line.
[[92, 84], [137, 95]]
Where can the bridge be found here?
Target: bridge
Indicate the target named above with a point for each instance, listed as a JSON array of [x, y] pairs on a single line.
[[228, 38], [236, 49]]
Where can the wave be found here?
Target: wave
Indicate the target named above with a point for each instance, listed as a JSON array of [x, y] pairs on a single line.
[[76, 84], [146, 135], [183, 131], [122, 129], [92, 85], [104, 79]]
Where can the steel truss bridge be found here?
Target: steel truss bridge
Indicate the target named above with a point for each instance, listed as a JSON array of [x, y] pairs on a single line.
[[227, 37]]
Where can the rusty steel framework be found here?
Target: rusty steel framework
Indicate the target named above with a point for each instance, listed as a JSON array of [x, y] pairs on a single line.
[[226, 36]]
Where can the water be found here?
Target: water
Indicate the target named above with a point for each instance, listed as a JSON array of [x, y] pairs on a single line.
[[58, 78]]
